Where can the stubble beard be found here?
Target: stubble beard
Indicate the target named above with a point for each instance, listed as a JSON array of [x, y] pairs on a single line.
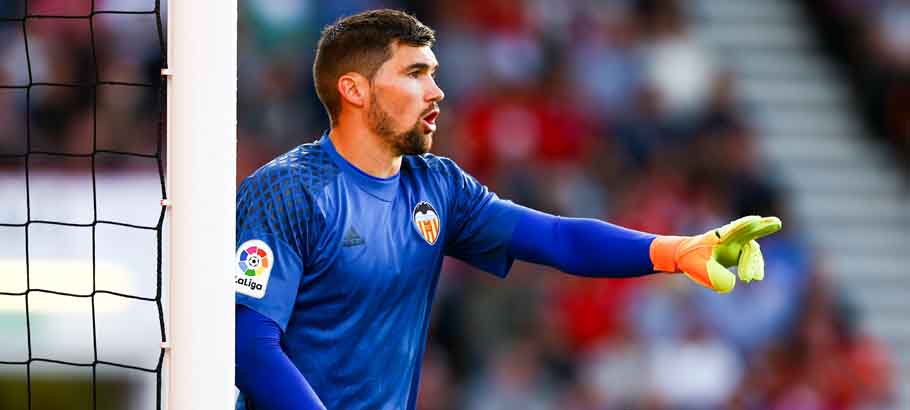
[[411, 142]]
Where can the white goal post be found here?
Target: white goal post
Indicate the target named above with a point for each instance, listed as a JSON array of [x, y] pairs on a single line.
[[201, 151]]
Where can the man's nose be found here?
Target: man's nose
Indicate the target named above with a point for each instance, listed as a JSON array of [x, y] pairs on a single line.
[[435, 93]]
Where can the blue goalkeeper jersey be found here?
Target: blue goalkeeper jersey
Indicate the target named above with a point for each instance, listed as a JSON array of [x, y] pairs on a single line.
[[347, 264]]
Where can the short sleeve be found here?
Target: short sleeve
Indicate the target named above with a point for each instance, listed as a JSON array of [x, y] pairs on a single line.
[[481, 224], [272, 223]]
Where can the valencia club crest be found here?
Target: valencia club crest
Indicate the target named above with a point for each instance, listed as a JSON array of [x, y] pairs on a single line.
[[426, 220]]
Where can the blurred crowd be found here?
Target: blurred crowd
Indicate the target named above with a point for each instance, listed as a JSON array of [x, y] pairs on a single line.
[[612, 110], [62, 112], [872, 39], [592, 108]]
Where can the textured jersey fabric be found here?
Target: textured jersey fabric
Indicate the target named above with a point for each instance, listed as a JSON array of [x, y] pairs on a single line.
[[353, 263]]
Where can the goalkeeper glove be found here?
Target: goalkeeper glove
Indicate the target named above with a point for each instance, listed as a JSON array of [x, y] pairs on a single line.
[[705, 258]]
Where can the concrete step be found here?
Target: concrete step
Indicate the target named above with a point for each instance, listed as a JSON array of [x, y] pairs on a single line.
[[860, 248], [894, 236], [860, 240], [895, 331], [775, 92], [866, 169], [885, 307], [884, 299], [851, 205], [859, 263], [755, 35], [779, 65], [766, 10], [823, 181], [783, 121], [833, 184], [812, 221], [770, 66], [765, 67], [832, 149], [725, 39], [878, 234]]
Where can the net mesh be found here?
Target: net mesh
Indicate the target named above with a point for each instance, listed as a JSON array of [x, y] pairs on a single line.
[[40, 150]]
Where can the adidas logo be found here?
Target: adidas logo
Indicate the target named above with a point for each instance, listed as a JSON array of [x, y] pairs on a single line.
[[352, 238]]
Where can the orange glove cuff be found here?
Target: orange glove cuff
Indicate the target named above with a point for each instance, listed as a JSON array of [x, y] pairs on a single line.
[[663, 252]]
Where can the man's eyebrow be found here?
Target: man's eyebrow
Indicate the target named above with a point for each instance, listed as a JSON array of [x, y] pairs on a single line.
[[421, 67]]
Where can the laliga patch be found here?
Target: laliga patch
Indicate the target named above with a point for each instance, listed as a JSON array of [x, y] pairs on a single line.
[[254, 264], [426, 221]]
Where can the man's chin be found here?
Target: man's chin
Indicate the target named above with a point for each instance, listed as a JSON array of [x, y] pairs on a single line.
[[416, 142], [419, 150]]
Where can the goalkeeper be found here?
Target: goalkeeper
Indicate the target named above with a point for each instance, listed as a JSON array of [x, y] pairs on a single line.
[[340, 241]]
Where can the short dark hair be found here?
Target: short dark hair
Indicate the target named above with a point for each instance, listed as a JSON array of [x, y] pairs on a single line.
[[362, 43]]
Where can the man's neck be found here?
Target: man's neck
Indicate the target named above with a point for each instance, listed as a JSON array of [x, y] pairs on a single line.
[[365, 150]]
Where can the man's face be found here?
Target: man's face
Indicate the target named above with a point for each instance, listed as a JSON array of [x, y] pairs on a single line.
[[404, 101]]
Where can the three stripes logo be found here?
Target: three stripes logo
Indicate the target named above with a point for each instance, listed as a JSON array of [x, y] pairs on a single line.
[[426, 221], [352, 238]]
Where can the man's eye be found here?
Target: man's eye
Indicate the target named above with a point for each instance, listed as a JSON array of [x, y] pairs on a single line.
[[414, 74]]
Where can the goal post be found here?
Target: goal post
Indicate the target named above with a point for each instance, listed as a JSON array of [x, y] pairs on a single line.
[[202, 135]]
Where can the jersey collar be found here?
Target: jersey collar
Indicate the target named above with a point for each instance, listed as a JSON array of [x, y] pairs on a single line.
[[382, 188]]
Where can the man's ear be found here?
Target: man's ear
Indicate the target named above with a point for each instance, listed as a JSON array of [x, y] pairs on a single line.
[[353, 88]]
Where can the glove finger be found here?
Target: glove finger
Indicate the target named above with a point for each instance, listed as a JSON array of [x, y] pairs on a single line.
[[722, 280], [724, 231], [766, 226], [748, 228], [751, 263], [738, 233]]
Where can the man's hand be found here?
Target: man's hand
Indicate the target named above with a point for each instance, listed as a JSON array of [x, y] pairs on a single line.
[[705, 258]]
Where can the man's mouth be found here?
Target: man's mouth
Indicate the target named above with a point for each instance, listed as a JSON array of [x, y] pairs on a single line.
[[429, 120]]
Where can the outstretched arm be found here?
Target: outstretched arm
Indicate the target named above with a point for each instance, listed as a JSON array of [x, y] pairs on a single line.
[[590, 247], [490, 233], [264, 373]]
